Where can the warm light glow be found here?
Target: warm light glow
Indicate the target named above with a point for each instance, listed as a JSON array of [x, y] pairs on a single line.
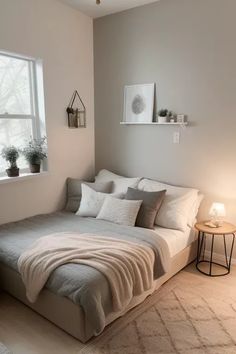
[[217, 209]]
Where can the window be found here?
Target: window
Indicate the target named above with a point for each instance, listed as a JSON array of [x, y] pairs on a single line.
[[21, 103]]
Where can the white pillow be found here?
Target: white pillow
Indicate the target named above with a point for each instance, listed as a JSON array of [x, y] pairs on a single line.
[[193, 213], [123, 212], [177, 204], [120, 183], [194, 210], [92, 201]]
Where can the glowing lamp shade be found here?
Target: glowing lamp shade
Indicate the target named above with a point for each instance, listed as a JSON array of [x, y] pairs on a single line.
[[217, 212], [217, 209]]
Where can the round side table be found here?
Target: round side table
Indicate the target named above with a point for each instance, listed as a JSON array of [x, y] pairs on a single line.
[[228, 231]]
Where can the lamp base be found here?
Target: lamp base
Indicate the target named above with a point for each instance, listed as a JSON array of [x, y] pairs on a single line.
[[214, 223], [211, 224]]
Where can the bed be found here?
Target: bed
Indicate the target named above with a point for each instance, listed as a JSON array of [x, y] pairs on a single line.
[[77, 298], [56, 304]]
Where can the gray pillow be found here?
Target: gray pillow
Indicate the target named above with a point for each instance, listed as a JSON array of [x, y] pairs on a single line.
[[74, 191], [150, 206]]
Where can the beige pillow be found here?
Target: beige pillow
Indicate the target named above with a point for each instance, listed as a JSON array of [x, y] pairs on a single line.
[[74, 191], [120, 183], [92, 201], [123, 212]]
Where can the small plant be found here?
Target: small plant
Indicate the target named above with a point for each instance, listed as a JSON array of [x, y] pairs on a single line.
[[11, 155], [34, 152], [171, 116], [163, 113]]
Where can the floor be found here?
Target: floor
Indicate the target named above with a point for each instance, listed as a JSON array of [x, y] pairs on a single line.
[[190, 314], [25, 332]]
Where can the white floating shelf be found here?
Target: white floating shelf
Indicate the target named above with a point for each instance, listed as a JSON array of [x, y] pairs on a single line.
[[153, 123]]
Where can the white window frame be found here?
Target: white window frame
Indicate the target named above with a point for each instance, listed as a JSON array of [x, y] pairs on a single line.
[[37, 104]]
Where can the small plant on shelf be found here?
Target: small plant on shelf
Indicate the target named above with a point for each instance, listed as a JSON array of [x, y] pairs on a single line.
[[11, 155], [162, 116], [163, 113], [171, 116], [35, 152]]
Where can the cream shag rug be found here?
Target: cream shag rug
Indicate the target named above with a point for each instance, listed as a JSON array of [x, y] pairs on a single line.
[[190, 314], [3, 349]]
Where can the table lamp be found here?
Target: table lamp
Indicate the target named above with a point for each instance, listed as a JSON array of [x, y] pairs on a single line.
[[217, 212]]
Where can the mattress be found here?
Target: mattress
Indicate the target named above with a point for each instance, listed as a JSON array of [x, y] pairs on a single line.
[[176, 240]]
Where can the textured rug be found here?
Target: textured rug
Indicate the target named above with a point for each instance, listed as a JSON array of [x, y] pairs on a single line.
[[3, 349], [190, 314]]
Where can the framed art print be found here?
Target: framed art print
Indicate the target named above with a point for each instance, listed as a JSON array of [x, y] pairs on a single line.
[[139, 103]]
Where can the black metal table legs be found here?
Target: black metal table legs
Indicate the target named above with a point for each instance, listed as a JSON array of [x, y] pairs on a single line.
[[201, 254]]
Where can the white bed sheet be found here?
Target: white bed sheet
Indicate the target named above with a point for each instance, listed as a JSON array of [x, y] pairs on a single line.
[[176, 240]]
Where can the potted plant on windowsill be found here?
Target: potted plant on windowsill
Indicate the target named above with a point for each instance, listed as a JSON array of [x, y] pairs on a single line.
[[35, 152], [11, 155]]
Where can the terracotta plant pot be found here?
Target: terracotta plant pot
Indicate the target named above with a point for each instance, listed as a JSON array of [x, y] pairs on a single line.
[[34, 168], [13, 172]]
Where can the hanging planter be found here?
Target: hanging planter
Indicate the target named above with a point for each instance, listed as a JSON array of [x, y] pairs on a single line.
[[76, 112]]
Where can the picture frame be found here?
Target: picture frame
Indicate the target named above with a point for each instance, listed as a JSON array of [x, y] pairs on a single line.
[[139, 103]]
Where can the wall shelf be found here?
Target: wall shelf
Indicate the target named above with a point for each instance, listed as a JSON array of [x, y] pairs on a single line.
[[153, 123]]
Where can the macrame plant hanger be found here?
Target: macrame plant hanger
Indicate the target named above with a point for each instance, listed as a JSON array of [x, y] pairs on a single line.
[[76, 112]]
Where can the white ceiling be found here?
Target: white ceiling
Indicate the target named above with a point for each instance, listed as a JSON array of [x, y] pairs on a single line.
[[106, 7]]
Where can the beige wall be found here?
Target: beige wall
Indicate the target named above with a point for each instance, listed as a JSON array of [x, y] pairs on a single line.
[[188, 48], [63, 38]]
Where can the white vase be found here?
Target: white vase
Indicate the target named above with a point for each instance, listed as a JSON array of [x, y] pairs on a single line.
[[162, 119]]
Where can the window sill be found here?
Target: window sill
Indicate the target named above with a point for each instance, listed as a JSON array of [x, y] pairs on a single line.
[[22, 177]]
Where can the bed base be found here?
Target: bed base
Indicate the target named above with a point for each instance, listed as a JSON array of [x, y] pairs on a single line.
[[69, 316]]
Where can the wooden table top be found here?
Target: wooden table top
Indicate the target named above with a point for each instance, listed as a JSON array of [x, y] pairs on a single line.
[[225, 229]]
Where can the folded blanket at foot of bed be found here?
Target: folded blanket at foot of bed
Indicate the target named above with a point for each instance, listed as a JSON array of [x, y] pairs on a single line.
[[128, 266]]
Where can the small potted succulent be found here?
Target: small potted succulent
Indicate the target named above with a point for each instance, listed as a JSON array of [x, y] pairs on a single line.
[[11, 155], [162, 116], [171, 117], [35, 152]]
